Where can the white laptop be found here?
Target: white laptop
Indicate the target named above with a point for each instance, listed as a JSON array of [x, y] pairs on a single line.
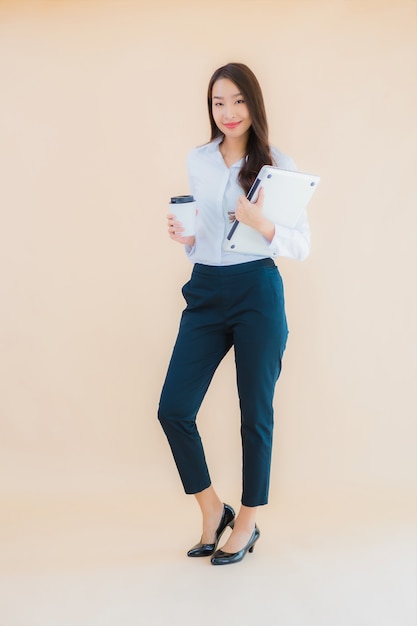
[[287, 194]]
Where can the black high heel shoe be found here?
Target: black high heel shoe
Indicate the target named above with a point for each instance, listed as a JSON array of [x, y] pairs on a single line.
[[207, 549], [224, 558]]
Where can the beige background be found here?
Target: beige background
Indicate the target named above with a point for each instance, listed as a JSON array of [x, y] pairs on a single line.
[[100, 103]]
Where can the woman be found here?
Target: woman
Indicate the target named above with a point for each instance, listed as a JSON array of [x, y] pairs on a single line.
[[232, 300]]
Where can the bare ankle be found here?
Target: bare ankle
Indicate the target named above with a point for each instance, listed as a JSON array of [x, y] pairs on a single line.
[[209, 502], [246, 518]]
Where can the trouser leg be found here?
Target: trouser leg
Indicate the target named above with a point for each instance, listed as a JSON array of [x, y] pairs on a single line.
[[201, 344], [258, 355]]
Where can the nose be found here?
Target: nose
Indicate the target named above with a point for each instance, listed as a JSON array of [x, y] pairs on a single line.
[[229, 111]]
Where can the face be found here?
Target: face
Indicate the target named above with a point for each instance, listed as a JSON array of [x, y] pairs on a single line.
[[229, 109]]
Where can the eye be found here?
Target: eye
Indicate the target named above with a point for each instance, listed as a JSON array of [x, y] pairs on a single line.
[[241, 101], [218, 104]]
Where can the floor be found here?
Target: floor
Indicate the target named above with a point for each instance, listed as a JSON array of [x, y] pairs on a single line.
[[108, 560]]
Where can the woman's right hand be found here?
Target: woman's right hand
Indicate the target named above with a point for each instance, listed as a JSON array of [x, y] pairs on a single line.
[[175, 229]]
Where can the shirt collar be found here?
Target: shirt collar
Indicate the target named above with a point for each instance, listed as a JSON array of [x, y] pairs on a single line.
[[213, 147]]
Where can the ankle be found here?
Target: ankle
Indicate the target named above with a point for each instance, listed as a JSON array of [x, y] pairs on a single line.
[[213, 508], [246, 519], [245, 527], [209, 502], [212, 516]]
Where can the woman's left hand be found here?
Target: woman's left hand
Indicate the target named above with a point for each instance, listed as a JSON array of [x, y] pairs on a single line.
[[250, 213]]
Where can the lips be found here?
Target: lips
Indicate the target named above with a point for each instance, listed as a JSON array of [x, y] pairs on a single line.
[[231, 126]]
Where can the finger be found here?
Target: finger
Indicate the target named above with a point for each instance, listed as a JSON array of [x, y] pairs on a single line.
[[175, 228], [261, 197], [173, 222]]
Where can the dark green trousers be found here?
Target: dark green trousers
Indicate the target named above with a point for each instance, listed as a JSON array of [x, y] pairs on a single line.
[[240, 306]]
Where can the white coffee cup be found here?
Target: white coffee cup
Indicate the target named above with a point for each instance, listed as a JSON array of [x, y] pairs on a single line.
[[185, 210]]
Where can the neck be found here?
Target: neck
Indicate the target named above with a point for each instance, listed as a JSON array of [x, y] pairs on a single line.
[[233, 149]]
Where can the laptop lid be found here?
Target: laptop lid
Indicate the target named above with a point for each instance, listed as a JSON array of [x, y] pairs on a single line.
[[286, 195]]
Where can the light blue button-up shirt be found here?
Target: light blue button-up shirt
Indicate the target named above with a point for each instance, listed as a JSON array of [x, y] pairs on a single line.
[[216, 190]]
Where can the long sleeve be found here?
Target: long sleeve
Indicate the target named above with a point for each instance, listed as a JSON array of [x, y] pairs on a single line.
[[293, 243]]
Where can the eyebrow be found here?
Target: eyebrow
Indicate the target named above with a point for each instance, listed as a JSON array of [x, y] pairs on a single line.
[[221, 97]]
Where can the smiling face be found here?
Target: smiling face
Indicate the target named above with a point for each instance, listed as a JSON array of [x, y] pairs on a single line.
[[229, 109]]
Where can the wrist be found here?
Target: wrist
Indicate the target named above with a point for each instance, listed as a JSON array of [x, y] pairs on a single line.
[[267, 229]]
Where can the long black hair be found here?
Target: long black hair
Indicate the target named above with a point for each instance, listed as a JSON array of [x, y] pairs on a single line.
[[258, 152]]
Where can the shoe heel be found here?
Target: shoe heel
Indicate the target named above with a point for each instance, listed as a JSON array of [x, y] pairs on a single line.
[[251, 549], [232, 524]]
